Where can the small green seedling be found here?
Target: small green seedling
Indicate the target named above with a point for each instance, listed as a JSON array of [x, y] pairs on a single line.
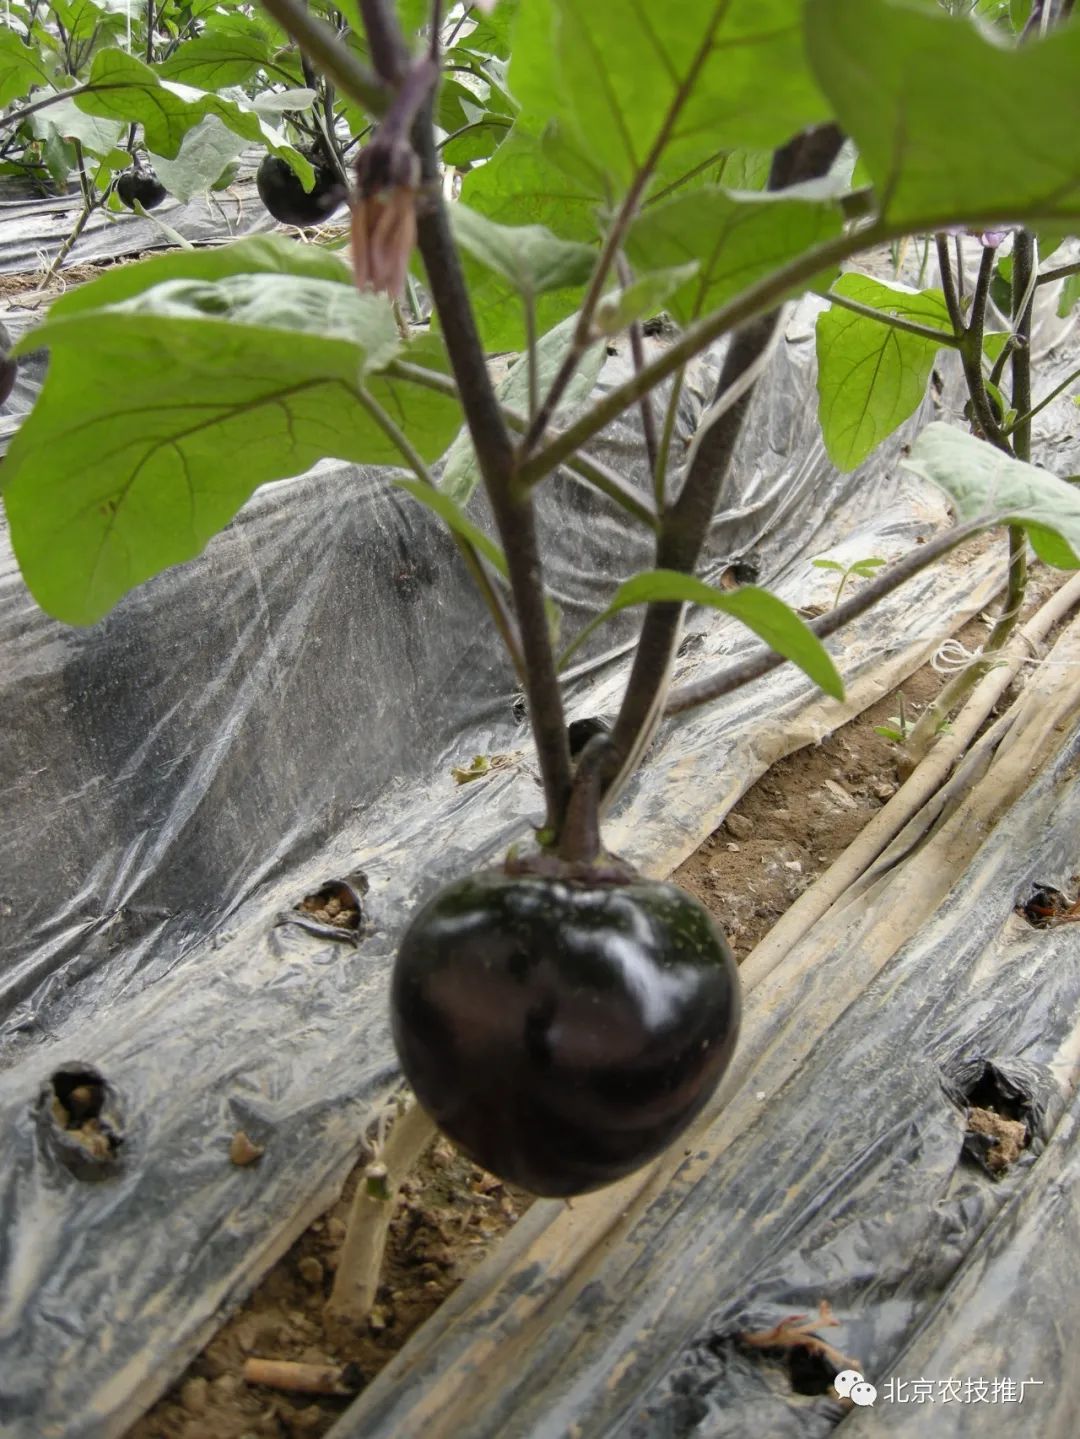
[[864, 568], [898, 727]]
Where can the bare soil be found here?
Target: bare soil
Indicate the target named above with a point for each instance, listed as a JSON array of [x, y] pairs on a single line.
[[785, 831], [27, 288]]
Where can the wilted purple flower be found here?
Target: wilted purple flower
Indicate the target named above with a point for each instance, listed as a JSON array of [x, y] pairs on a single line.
[[384, 215]]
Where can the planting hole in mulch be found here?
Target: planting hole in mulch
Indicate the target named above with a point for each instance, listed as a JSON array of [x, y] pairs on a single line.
[[338, 905], [1047, 907], [994, 1140], [1002, 1116], [812, 1363], [79, 1121], [786, 830]]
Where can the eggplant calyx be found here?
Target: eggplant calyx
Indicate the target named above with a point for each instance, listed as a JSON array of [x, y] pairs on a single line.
[[604, 869]]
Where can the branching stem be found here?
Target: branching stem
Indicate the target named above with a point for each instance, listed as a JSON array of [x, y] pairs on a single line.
[[613, 243], [585, 467], [684, 525], [637, 354], [514, 516], [338, 63]]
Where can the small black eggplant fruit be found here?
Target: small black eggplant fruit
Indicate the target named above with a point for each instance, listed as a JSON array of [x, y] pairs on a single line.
[[142, 186], [563, 1032], [283, 195]]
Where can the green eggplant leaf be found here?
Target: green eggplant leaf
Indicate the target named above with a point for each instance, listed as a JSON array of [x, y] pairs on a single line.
[[529, 258], [736, 240], [21, 68], [205, 152], [761, 611], [632, 85], [928, 97], [476, 141], [229, 54], [872, 376], [163, 409], [123, 89], [68, 122], [982, 482], [522, 186], [257, 255]]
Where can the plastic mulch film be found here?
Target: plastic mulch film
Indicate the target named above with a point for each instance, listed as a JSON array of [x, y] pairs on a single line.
[[281, 713], [33, 229], [896, 1140]]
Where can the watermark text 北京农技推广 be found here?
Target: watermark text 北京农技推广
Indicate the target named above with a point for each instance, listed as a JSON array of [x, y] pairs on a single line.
[[850, 1384]]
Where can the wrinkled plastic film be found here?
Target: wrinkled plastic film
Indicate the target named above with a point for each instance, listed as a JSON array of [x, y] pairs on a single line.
[[281, 711]]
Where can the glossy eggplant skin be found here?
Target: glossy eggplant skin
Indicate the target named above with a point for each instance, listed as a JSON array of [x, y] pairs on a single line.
[[563, 1033], [142, 185], [284, 196]]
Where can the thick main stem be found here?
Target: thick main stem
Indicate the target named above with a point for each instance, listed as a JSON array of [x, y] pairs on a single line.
[[685, 524], [955, 691], [513, 512], [683, 530]]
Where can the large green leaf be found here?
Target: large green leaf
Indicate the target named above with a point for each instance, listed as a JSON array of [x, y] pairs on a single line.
[[693, 79], [204, 153], [521, 186], [257, 255], [872, 376], [929, 99], [462, 471], [768, 616], [162, 412], [21, 68], [229, 54], [96, 135], [123, 89], [737, 239], [529, 258], [80, 18], [491, 34], [476, 141], [984, 483]]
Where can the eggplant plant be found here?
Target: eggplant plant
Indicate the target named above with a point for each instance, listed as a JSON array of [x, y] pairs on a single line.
[[559, 1016], [140, 99]]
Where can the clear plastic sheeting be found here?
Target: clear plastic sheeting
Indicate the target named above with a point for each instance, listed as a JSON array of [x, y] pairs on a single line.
[[33, 229], [280, 712], [837, 1167]]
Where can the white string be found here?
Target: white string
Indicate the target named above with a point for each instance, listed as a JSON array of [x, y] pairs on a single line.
[[951, 657]]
